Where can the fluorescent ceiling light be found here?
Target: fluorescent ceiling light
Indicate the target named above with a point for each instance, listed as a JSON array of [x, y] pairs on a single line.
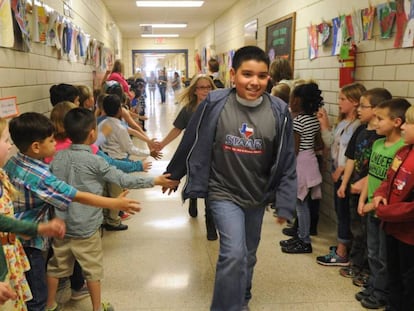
[[160, 36], [170, 4], [164, 25]]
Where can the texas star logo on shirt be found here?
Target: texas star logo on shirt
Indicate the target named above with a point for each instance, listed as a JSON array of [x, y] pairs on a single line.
[[246, 131], [244, 144]]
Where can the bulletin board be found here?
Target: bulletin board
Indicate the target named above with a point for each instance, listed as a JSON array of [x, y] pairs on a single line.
[[280, 38]]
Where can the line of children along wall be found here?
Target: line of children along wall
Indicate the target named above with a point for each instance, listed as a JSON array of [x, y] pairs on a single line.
[[371, 170]]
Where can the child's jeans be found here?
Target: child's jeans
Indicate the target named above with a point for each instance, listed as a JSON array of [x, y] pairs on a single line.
[[358, 252], [342, 215], [36, 277], [377, 256], [400, 261]]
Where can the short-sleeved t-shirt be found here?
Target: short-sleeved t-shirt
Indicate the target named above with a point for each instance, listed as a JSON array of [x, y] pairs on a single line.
[[380, 161], [359, 149], [183, 117], [307, 126]]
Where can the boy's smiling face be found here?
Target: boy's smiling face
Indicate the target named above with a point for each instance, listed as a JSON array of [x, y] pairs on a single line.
[[250, 79]]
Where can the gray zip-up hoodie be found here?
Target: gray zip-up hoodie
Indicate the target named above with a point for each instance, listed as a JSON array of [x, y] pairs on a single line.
[[193, 155]]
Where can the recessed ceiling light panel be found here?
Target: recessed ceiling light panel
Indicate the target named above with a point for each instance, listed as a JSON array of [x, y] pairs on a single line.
[[159, 35], [164, 25], [170, 4]]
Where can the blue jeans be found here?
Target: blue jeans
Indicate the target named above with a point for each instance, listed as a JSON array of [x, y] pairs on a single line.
[[240, 230], [36, 277], [377, 257], [304, 219], [343, 215]]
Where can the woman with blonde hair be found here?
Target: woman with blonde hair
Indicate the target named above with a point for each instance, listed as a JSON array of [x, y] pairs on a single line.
[[190, 98]]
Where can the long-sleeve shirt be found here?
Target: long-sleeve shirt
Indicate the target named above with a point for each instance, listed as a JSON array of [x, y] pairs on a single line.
[[88, 172], [118, 144], [39, 191]]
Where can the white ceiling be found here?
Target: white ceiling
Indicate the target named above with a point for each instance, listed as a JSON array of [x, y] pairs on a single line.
[[128, 16]]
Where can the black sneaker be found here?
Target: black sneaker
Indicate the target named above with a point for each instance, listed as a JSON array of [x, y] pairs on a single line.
[[362, 295], [298, 248], [290, 231], [373, 303], [192, 208], [120, 227], [286, 243]]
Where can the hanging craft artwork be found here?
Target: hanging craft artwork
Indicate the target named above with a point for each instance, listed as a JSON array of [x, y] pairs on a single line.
[[357, 25], [367, 16], [313, 42], [408, 38], [386, 17], [349, 34], [337, 36], [6, 29], [325, 30], [400, 21], [21, 29]]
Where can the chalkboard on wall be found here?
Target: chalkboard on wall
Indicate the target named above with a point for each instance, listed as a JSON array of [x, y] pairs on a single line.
[[280, 38]]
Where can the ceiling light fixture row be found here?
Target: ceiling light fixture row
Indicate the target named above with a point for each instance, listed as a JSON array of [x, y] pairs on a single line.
[[170, 4]]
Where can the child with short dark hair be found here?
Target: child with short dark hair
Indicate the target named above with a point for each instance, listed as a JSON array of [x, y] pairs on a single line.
[[39, 191], [64, 92], [394, 205], [238, 151], [390, 115], [79, 167]]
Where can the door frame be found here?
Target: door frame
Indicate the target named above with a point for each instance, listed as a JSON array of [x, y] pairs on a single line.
[[168, 51]]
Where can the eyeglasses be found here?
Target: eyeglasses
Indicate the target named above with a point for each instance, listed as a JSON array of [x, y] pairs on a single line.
[[204, 88], [365, 106]]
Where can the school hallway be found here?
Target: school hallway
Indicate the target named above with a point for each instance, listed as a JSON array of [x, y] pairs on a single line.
[[164, 262]]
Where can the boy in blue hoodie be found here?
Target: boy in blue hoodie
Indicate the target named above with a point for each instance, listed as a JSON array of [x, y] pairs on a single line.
[[238, 151]]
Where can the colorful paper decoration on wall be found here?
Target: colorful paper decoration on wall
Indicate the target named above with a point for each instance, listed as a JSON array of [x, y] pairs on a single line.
[[313, 41], [325, 30], [386, 17], [337, 35], [367, 15], [401, 20], [6, 21], [408, 38], [357, 25]]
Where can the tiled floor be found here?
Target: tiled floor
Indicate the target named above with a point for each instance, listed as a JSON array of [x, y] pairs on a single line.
[[164, 261]]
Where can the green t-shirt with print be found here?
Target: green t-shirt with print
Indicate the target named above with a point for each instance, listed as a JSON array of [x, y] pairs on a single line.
[[380, 160]]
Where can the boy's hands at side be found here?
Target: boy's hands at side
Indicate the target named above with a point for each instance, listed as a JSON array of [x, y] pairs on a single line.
[[368, 207], [337, 174], [357, 186], [361, 209], [6, 293], [127, 205], [54, 228], [341, 191], [165, 182]]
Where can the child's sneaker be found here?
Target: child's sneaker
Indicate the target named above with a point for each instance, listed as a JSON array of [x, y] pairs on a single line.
[[81, 293], [332, 259], [54, 308], [106, 306]]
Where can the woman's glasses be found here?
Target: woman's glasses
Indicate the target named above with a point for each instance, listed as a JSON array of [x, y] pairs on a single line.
[[204, 88]]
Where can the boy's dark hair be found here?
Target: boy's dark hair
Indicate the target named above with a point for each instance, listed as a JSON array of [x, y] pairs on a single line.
[[310, 96], [280, 69], [116, 89], [377, 95], [249, 52], [62, 92], [397, 107], [213, 65], [111, 105], [28, 128], [78, 123]]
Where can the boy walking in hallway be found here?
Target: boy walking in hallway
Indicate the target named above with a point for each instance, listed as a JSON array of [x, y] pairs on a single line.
[[238, 151]]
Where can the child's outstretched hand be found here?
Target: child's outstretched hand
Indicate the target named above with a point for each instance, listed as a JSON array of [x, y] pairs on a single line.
[[154, 144], [127, 205], [54, 228], [165, 182], [156, 154], [146, 166], [6, 293]]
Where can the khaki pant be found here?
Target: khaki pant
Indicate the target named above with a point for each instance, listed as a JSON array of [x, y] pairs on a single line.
[[111, 216]]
